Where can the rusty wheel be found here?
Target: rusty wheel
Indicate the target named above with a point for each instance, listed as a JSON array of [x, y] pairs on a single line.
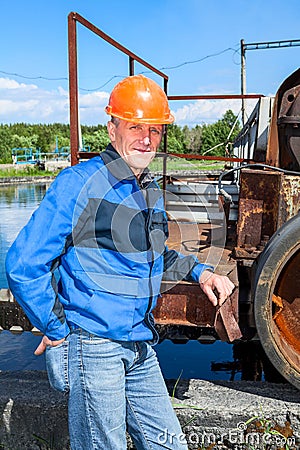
[[277, 300]]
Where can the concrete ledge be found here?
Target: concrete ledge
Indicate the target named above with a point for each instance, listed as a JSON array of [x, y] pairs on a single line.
[[29, 407], [208, 411], [26, 179], [226, 407]]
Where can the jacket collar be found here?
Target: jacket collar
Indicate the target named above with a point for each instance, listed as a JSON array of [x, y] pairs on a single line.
[[120, 170]]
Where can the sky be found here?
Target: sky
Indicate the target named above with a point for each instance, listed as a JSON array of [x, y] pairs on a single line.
[[195, 42]]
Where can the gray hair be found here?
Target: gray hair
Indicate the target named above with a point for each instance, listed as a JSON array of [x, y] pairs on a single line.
[[115, 120]]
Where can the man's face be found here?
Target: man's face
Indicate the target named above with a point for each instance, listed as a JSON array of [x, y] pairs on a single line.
[[136, 143]]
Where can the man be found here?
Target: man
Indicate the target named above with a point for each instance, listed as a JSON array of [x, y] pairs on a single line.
[[87, 270]]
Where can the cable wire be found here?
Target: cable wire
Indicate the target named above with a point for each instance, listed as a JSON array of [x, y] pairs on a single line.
[[41, 77]]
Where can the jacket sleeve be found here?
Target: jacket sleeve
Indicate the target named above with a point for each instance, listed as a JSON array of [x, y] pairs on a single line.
[[179, 267], [30, 259]]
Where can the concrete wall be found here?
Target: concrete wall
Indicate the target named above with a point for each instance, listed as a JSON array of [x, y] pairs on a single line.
[[207, 411]]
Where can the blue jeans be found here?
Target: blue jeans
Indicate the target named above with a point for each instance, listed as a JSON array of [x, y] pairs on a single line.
[[113, 386]]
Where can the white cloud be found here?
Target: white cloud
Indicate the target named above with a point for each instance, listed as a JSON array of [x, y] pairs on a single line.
[[92, 107], [7, 83], [208, 111], [10, 107], [94, 100], [20, 102]]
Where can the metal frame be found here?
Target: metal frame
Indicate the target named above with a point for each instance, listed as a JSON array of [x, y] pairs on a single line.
[[73, 18], [258, 46]]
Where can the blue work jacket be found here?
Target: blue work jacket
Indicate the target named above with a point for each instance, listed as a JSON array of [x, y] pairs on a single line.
[[93, 254]]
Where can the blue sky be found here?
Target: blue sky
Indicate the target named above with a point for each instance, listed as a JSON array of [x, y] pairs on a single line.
[[202, 38]]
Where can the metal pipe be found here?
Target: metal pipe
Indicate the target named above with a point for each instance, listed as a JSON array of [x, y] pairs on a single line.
[[165, 148], [243, 80], [214, 97], [73, 89], [131, 66]]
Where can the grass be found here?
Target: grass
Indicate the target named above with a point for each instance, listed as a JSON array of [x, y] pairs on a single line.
[[184, 165], [273, 434], [44, 443], [27, 171]]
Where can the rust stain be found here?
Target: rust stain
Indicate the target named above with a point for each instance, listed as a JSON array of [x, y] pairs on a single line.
[[287, 320], [250, 221], [278, 305]]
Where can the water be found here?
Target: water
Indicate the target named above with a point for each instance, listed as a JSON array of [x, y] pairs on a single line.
[[17, 203], [190, 360]]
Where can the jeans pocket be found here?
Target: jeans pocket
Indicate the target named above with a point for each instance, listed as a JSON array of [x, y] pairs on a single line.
[[57, 366]]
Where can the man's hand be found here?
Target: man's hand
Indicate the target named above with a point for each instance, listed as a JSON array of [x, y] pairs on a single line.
[[46, 342], [212, 284]]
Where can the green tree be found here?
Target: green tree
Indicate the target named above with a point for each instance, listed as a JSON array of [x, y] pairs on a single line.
[[62, 141], [98, 140], [193, 137], [177, 142], [5, 144], [217, 137]]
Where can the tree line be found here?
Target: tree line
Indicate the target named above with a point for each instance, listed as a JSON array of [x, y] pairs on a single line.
[[212, 139]]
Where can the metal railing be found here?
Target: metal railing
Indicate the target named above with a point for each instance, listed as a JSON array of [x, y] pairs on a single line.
[[73, 18], [76, 154]]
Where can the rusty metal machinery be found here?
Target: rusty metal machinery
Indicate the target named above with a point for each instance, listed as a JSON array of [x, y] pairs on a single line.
[[267, 249], [284, 138], [277, 300]]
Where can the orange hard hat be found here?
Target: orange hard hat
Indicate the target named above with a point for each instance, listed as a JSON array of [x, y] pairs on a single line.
[[139, 99]]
